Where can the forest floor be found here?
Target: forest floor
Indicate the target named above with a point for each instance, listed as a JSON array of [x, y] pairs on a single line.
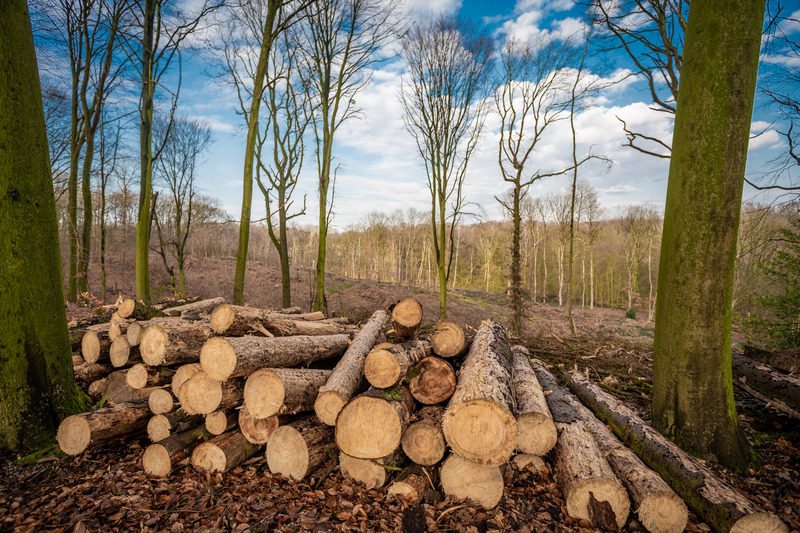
[[105, 489]]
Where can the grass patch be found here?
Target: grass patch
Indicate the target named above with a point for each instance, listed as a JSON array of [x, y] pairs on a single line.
[[35, 457]]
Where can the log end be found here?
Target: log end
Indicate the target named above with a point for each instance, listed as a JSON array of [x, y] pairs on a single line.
[[264, 393], [153, 344], [328, 405], [760, 522], [406, 317], [218, 358], [368, 428], [480, 430], [601, 489], [156, 461], [221, 318], [74, 435], [423, 444], [120, 352], [90, 347], [664, 512], [381, 368], [448, 339], [404, 491], [160, 401], [537, 434], [217, 422], [255, 430], [183, 373], [434, 381], [201, 394], [363, 471], [134, 333], [464, 479], [522, 461], [136, 376], [209, 457], [287, 453], [158, 428], [126, 308]]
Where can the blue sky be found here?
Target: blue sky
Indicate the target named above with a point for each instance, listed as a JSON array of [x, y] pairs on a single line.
[[380, 169]]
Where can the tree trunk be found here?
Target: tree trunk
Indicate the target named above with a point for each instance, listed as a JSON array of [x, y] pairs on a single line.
[[764, 382], [170, 343], [161, 426], [413, 486], [348, 372], [372, 425], [464, 479], [537, 432], [370, 472], [297, 450], [692, 383], [433, 381], [78, 432], [448, 339], [223, 452], [159, 458], [423, 440], [479, 423], [406, 319], [203, 394], [715, 502], [283, 391], [659, 509], [226, 357], [234, 320], [257, 430], [387, 367]]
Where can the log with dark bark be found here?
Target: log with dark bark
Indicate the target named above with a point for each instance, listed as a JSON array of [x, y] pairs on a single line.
[[78, 432], [130, 308], [298, 449], [159, 427], [161, 401], [348, 372], [161, 457], [88, 372], [386, 367], [257, 430], [282, 391], [479, 422], [423, 441], [121, 353], [373, 473], [767, 384], [173, 342], [195, 308], [406, 319], [433, 381], [715, 502], [465, 479], [371, 425], [201, 394], [412, 485], [226, 357], [223, 452], [537, 432], [449, 339], [660, 510]]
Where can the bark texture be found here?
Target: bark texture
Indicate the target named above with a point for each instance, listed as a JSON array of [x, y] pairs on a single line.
[[776, 388], [537, 432], [78, 432]]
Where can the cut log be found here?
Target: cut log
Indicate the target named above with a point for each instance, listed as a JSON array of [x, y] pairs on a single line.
[[479, 422], [433, 381], [316, 315], [77, 360], [201, 394], [521, 461], [117, 327], [298, 449], [465, 479], [79, 432], [290, 311], [715, 502], [159, 458], [97, 388], [89, 372], [95, 345], [221, 421], [223, 452], [169, 343], [660, 510], [134, 333], [347, 374], [412, 486], [387, 367], [141, 376], [234, 320], [449, 339], [282, 391], [371, 425], [122, 354], [537, 432], [786, 360], [257, 430], [762, 381], [161, 401], [226, 357], [183, 373], [195, 308], [159, 427], [423, 441], [585, 477], [406, 319], [130, 308], [373, 473], [76, 338], [117, 389]]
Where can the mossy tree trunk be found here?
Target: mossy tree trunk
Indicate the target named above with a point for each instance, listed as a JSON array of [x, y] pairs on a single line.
[[38, 387], [693, 390]]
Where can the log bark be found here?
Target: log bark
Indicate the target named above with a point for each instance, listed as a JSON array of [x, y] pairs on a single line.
[[406, 319], [221, 420], [182, 374], [433, 381], [465, 479], [257, 430], [195, 308], [537, 432], [236, 320], [423, 440], [715, 502], [201, 394], [479, 422], [117, 390], [227, 357], [95, 345], [373, 473], [282, 391], [161, 457], [449, 339], [768, 384], [170, 343], [161, 401], [371, 425], [660, 510], [586, 477], [78, 432], [161, 426], [223, 452], [88, 372], [121, 354], [388, 366], [130, 308], [411, 488], [298, 449]]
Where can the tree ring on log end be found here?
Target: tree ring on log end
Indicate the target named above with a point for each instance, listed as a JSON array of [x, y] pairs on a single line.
[[655, 515], [119, 352], [287, 453], [218, 358], [221, 318], [482, 431], [464, 479], [537, 434], [153, 344], [74, 435], [209, 457], [264, 393], [381, 368], [201, 394], [158, 428], [161, 401], [90, 347], [763, 522], [423, 444], [368, 428], [156, 461], [328, 406]]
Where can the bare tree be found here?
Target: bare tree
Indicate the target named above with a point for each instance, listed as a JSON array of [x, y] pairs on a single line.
[[444, 102]]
